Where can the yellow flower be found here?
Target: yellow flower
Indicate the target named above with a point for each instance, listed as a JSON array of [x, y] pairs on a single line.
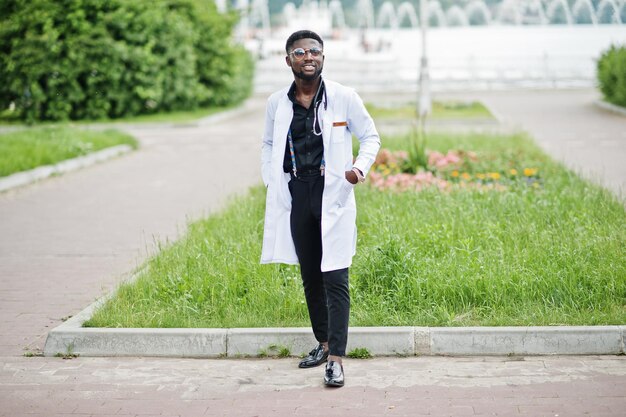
[[494, 175], [455, 173], [513, 171], [480, 176], [382, 167], [466, 176], [387, 172], [529, 172]]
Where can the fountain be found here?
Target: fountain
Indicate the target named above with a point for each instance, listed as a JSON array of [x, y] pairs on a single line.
[[478, 13], [609, 12], [406, 10], [455, 16], [473, 43], [559, 6], [260, 15], [473, 12], [336, 11], [583, 12], [289, 12], [366, 15], [436, 16], [387, 16]]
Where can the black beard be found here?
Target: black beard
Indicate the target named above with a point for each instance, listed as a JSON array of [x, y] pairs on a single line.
[[304, 77]]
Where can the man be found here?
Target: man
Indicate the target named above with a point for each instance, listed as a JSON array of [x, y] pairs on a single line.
[[307, 166]]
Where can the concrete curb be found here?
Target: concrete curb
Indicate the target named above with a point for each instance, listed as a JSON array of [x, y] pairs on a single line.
[[71, 337], [610, 107], [20, 179], [28, 177]]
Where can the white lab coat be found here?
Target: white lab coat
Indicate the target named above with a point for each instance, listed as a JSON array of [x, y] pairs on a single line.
[[344, 106]]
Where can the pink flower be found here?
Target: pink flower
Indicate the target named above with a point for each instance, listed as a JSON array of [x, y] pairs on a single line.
[[434, 157], [439, 160]]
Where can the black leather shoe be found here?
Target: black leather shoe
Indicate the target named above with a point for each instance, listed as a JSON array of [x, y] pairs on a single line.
[[316, 357], [334, 374]]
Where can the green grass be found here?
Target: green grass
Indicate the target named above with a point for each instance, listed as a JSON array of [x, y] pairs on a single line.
[[275, 351], [440, 110], [8, 118], [359, 353], [551, 255], [173, 117], [33, 147]]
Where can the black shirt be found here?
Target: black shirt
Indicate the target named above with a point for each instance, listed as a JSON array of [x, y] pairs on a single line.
[[308, 146]]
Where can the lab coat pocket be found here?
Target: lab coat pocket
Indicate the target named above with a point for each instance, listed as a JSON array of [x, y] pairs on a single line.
[[285, 191], [338, 134], [345, 192]]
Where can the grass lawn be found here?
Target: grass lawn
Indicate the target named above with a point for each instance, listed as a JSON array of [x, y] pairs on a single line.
[[33, 147], [440, 110], [544, 252], [171, 117], [7, 117]]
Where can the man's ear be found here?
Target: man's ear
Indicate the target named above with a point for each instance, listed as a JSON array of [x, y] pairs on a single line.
[[288, 61]]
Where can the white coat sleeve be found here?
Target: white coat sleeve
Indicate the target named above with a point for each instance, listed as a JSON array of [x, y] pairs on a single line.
[[268, 140], [361, 124]]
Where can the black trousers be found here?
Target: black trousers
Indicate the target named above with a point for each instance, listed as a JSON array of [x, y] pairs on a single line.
[[327, 293]]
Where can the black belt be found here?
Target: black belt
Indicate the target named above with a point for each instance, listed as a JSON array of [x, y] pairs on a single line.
[[308, 173]]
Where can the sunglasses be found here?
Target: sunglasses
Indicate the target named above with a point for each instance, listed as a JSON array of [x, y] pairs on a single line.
[[299, 53]]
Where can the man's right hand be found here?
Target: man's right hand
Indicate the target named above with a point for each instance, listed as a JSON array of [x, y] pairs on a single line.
[[351, 177]]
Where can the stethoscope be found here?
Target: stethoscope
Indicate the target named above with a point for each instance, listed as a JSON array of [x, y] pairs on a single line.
[[316, 107]]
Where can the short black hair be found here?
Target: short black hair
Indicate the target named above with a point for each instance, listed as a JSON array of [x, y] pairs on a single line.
[[302, 34]]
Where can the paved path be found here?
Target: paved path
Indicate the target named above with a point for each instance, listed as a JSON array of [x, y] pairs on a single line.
[[66, 241], [69, 240], [432, 386]]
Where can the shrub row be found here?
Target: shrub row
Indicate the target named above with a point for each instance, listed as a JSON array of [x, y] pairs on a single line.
[[92, 59], [612, 75]]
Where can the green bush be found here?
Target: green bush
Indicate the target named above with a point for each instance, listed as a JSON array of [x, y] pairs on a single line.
[[93, 59], [224, 70], [612, 75]]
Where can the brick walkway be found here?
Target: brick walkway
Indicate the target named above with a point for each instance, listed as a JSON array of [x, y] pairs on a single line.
[[68, 240], [434, 386]]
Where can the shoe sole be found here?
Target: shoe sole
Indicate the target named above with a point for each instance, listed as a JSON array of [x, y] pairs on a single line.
[[300, 365], [333, 384], [311, 366]]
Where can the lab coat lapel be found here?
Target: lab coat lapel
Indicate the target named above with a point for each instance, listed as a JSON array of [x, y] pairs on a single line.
[[327, 115], [284, 114]]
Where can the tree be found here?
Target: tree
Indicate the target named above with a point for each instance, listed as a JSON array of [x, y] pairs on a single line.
[[91, 59]]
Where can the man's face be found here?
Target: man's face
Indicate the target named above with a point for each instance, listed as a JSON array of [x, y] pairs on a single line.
[[309, 67]]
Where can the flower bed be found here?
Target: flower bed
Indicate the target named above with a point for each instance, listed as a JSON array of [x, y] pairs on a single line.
[[455, 169]]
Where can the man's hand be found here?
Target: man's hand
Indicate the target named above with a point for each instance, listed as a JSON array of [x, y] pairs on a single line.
[[351, 177]]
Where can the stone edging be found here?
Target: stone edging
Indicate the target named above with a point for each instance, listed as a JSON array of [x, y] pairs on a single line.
[[71, 337], [610, 107], [27, 177], [20, 179]]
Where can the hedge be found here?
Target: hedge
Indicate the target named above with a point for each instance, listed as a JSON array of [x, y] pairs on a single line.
[[93, 59], [612, 75]]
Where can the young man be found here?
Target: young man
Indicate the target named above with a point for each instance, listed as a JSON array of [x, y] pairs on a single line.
[[310, 214]]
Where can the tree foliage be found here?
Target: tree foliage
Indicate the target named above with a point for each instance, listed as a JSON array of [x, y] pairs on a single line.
[[612, 75], [92, 59]]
